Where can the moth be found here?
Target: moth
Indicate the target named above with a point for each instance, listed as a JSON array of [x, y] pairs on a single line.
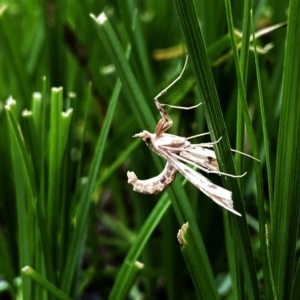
[[177, 151]]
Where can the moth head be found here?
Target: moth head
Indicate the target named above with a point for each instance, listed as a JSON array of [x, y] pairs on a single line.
[[146, 136]]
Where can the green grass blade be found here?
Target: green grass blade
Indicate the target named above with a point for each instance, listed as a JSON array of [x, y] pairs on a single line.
[[77, 242], [187, 247], [285, 208], [124, 278], [59, 130], [14, 127], [120, 159], [244, 58], [137, 42], [137, 100], [270, 288], [202, 276], [252, 139], [44, 283], [296, 286], [23, 175], [23, 193]]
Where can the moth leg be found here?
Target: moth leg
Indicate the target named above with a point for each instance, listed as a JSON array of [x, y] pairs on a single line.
[[159, 106], [210, 144], [163, 125], [180, 107], [166, 122]]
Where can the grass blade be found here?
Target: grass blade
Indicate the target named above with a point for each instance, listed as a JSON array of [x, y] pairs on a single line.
[[285, 208], [43, 282], [78, 238]]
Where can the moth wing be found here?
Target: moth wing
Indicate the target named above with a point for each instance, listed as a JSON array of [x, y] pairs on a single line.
[[218, 194], [203, 157]]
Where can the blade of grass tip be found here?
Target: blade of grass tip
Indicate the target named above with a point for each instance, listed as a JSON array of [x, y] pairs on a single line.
[[67, 203], [171, 257], [32, 142], [32, 198], [21, 188], [44, 283], [213, 113], [42, 132], [187, 246], [285, 208], [115, 50], [37, 106], [270, 288], [84, 202], [202, 276], [54, 162], [65, 126], [11, 117]]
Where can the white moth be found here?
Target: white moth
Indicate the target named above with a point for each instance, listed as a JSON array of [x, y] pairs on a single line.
[[177, 150]]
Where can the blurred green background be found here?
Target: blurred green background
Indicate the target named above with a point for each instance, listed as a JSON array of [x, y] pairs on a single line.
[[72, 94]]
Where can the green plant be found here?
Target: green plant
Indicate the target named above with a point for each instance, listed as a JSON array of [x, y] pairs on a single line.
[[66, 209]]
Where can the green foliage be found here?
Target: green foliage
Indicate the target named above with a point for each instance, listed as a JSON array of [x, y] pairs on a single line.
[[78, 80]]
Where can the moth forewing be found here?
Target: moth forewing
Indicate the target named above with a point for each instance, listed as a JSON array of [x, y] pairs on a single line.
[[218, 194], [201, 156]]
